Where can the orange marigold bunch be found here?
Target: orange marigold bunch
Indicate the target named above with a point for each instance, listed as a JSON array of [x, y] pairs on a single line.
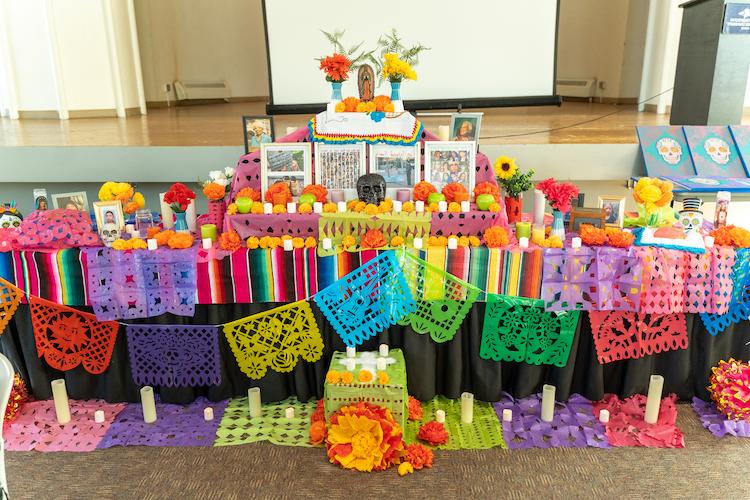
[[415, 409], [488, 188], [248, 192], [455, 192], [381, 102], [317, 190], [422, 190], [162, 238], [350, 104], [230, 241], [619, 238], [318, 432], [496, 237], [213, 191], [592, 236], [280, 189], [373, 238], [732, 236], [180, 240], [419, 456]]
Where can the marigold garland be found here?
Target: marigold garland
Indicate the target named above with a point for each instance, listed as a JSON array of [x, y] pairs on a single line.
[[454, 206], [305, 208], [415, 409], [373, 238], [455, 192], [731, 236], [487, 188], [333, 377], [422, 191], [330, 208], [253, 242], [496, 237], [433, 433], [310, 242]]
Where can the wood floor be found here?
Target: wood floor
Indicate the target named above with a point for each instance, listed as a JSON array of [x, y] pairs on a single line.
[[221, 125]]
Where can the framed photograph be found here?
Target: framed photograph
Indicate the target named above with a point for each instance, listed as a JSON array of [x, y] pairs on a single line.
[[399, 165], [71, 201], [338, 166], [465, 126], [257, 130], [614, 210], [40, 199], [110, 220], [450, 161], [290, 163]]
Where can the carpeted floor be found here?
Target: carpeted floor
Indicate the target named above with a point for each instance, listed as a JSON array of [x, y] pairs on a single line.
[[707, 467]]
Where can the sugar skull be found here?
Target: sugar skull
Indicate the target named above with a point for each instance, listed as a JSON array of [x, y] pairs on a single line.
[[717, 149], [10, 216], [670, 150], [691, 219], [109, 233], [371, 188]]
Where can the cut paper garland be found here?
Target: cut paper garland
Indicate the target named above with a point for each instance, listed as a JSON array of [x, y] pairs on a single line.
[[628, 335], [708, 281], [368, 300], [10, 297], [626, 426], [483, 433], [739, 306], [176, 425], [174, 355], [237, 427], [275, 339], [664, 273], [518, 329], [573, 426], [718, 424], [442, 299], [66, 337]]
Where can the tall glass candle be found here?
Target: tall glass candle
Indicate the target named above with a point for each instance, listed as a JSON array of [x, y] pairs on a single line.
[[209, 231], [548, 403], [539, 202], [537, 233], [148, 404], [444, 132], [60, 396], [253, 398], [653, 401], [336, 195], [523, 230], [467, 407]]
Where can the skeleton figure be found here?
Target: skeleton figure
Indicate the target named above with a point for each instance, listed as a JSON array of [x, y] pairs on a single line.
[[691, 219], [717, 149], [10, 216], [109, 233], [670, 150], [371, 188]]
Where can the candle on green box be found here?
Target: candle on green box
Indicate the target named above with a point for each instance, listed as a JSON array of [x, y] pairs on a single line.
[[523, 230], [209, 231]]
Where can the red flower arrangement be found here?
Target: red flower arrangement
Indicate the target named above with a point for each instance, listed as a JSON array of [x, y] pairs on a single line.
[[434, 433], [179, 197], [415, 409], [336, 67], [455, 192], [319, 191], [419, 456], [488, 188], [559, 194], [422, 190]]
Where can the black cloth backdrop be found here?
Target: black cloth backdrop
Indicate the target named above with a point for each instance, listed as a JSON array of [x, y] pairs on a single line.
[[432, 369]]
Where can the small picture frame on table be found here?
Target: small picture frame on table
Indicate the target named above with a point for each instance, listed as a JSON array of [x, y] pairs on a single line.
[[450, 161], [399, 165], [257, 130], [110, 220], [290, 163], [71, 201], [338, 166], [614, 210], [465, 126]]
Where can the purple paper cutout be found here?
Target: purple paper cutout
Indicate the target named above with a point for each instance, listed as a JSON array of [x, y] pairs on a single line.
[[591, 279], [573, 426], [717, 423], [176, 425], [472, 223], [295, 225], [174, 355], [141, 284]]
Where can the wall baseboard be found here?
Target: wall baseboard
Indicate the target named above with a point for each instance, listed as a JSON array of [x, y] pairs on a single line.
[[38, 115], [651, 108], [603, 100], [194, 102]]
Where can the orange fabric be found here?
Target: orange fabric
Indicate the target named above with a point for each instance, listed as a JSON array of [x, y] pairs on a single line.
[[10, 297]]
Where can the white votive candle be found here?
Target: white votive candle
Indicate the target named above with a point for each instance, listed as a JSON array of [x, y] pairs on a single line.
[[327, 244], [152, 244], [604, 416], [351, 351], [291, 208], [290, 130], [288, 245], [99, 416], [444, 132], [60, 395], [467, 407], [443, 206], [381, 364], [383, 350], [418, 243], [419, 206], [207, 243], [653, 401], [350, 364], [397, 206], [341, 206], [318, 207], [440, 416], [130, 229], [268, 208], [576, 242], [507, 415], [548, 402], [148, 404], [253, 398], [452, 243], [709, 241], [523, 242], [465, 206], [208, 414], [289, 413]]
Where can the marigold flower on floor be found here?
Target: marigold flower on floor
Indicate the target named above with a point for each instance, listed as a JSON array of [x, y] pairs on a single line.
[[419, 456], [433, 433], [318, 431]]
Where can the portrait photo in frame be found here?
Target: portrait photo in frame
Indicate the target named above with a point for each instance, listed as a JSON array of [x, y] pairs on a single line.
[[290, 163], [71, 201], [465, 126], [399, 165], [450, 161], [257, 130], [110, 220], [614, 210], [338, 166]]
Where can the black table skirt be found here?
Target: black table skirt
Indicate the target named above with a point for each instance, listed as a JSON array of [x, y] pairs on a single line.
[[433, 369]]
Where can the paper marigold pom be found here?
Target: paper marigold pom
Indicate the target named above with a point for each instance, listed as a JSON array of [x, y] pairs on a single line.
[[256, 208], [383, 378], [330, 208], [274, 242], [348, 241], [618, 238], [311, 242], [407, 207], [213, 191], [551, 242], [496, 237], [474, 241], [120, 244], [463, 241], [319, 191], [487, 188], [248, 192], [494, 207], [319, 415], [371, 209], [373, 239], [592, 236], [253, 242], [298, 243], [454, 207], [305, 208], [405, 468], [397, 241], [347, 378], [278, 193], [279, 209], [340, 107], [740, 237], [455, 192], [138, 244], [333, 377], [185, 240], [230, 241], [419, 456], [365, 376], [350, 104], [318, 431], [415, 409], [730, 388], [163, 237], [152, 232], [422, 190], [433, 433], [359, 206], [232, 208]]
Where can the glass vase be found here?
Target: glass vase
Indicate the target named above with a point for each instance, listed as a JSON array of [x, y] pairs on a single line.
[[558, 225], [336, 92], [395, 91], [180, 223]]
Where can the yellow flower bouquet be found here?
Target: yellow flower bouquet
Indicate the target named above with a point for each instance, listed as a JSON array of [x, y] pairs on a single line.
[[124, 192]]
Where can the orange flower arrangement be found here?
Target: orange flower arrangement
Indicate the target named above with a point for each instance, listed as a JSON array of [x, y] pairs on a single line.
[[618, 238], [487, 188], [278, 193], [230, 241], [350, 104], [422, 190], [382, 102], [433, 433], [419, 456], [319, 191], [592, 236], [214, 192], [495, 237], [180, 240], [455, 192], [162, 238], [336, 67], [318, 432], [248, 192], [152, 231], [731, 236], [373, 239], [415, 409]]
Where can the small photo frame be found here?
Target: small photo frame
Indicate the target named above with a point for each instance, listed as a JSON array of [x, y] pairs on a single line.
[[257, 130], [614, 210], [465, 126], [71, 201], [450, 161], [399, 165], [110, 220], [40, 199], [338, 166], [290, 163]]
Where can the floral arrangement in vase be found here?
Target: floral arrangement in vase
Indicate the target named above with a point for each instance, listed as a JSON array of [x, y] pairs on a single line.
[[653, 197], [215, 188], [514, 182], [560, 196], [179, 197], [338, 65], [397, 62], [124, 192]]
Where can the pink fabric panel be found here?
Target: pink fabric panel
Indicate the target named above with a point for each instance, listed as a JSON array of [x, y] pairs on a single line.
[[246, 225]]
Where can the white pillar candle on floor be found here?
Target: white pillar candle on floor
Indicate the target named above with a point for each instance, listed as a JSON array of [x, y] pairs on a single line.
[[341, 206], [539, 202], [288, 245], [381, 364], [465, 206], [419, 206], [207, 243], [289, 412], [253, 397], [383, 350], [709, 241], [152, 244], [268, 208], [604, 416], [576, 242], [548, 402], [467, 407], [318, 207], [60, 395], [148, 404], [444, 132], [397, 206], [523, 242], [208, 414], [418, 243], [507, 415], [191, 217], [452, 243], [99, 416], [290, 130], [291, 208], [167, 216], [351, 351], [327, 244], [653, 402], [440, 416], [351, 364], [443, 206]]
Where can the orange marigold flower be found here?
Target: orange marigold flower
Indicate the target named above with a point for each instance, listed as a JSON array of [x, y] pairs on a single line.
[[305, 208], [318, 432], [274, 242], [298, 243], [381, 102], [152, 231], [383, 378], [279, 209], [474, 241], [359, 206], [494, 207], [120, 244], [350, 104], [373, 239], [433, 433], [433, 207], [311, 242], [455, 191], [340, 107], [230, 241], [415, 409], [248, 192], [397, 241], [347, 378], [279, 194], [551, 242], [463, 241], [619, 238], [163, 237], [348, 241], [454, 206], [253, 242], [130, 208], [214, 192], [592, 236], [407, 207], [442, 241], [740, 237], [422, 190], [487, 188], [330, 208], [256, 208], [365, 376], [371, 209], [180, 240], [333, 377], [319, 415], [232, 208], [419, 456], [138, 244], [496, 237]]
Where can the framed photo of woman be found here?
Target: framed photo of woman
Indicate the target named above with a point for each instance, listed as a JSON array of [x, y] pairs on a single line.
[[290, 163], [614, 210], [399, 165], [450, 161], [71, 201], [338, 166], [465, 126], [257, 130]]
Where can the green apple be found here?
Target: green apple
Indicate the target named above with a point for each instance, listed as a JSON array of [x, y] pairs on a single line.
[[244, 204], [307, 198], [484, 201], [435, 198]]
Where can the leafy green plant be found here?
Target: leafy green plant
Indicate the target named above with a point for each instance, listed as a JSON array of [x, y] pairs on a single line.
[[389, 43], [335, 39], [518, 183]]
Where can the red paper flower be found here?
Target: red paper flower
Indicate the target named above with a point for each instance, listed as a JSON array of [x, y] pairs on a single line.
[[433, 433], [179, 197], [455, 192], [320, 412], [559, 194], [730, 388], [419, 456], [373, 238], [415, 409], [336, 67]]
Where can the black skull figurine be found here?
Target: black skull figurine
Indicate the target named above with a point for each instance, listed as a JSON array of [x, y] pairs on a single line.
[[371, 188]]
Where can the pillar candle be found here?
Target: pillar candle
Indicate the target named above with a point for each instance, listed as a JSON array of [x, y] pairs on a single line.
[[523, 229], [709, 241], [60, 395], [209, 231], [653, 402], [191, 217], [539, 202], [440, 416], [341, 205], [253, 397], [604, 416], [523, 242], [351, 351], [208, 414], [403, 195], [548, 402], [99, 416], [290, 130], [167, 216], [207, 243], [289, 413], [268, 208], [537, 233], [318, 207], [152, 244], [443, 206], [397, 206], [381, 364], [419, 206], [351, 364], [327, 244], [130, 229], [383, 350], [148, 404], [288, 245], [444, 133], [291, 208], [467, 407], [452, 243], [465, 206], [336, 195], [576, 242], [418, 243]]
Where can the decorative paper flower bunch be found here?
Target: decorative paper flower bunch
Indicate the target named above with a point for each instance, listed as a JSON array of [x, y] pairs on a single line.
[[373, 238], [170, 238], [179, 197], [415, 409], [218, 182], [422, 191], [278, 193], [248, 192], [214, 192], [18, 396], [347, 105], [455, 192], [317, 190], [124, 192], [730, 388], [551, 242], [487, 188], [558, 194], [510, 177], [364, 437], [383, 103], [496, 237], [230, 241], [433, 433], [619, 238], [396, 70], [731, 236], [336, 67], [652, 193], [593, 236]]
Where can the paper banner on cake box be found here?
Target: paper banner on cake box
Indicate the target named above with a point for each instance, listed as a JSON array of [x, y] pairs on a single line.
[[10, 297], [368, 300], [275, 339], [66, 337]]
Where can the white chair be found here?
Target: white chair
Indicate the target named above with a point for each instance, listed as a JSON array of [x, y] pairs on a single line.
[[6, 385]]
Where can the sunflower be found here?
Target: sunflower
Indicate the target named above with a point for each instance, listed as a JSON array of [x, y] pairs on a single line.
[[505, 167]]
